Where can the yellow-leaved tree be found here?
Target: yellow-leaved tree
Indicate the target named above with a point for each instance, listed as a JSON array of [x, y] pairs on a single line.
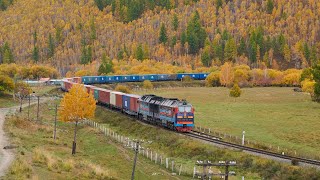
[[75, 106]]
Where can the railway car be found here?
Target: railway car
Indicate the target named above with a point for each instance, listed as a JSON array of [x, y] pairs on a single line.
[[130, 104], [192, 75], [167, 77], [203, 76], [116, 99], [77, 80], [104, 96], [171, 113], [88, 87]]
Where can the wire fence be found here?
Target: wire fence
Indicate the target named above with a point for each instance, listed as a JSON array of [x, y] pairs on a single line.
[[172, 164]]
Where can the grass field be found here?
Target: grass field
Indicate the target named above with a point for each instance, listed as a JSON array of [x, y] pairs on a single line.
[[271, 115], [40, 157]]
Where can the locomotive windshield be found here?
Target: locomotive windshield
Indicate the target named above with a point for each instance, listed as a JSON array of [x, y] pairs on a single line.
[[185, 108]]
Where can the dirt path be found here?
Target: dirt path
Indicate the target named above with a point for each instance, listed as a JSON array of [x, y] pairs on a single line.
[[6, 155]]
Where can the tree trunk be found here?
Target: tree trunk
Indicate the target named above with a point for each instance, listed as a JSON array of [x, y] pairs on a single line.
[[74, 145]]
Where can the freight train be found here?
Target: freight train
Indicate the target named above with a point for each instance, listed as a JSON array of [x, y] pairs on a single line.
[[175, 114], [137, 78]]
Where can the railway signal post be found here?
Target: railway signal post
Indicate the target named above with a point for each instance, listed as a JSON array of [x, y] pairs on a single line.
[[207, 173]]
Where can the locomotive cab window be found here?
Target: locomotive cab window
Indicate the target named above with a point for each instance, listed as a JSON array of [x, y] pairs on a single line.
[[185, 109]]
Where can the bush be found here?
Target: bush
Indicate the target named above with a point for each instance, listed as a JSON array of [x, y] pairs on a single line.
[[308, 86], [213, 79], [235, 91], [187, 79], [147, 84], [122, 88]]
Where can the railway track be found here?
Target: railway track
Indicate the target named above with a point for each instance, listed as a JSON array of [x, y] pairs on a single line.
[[217, 140]]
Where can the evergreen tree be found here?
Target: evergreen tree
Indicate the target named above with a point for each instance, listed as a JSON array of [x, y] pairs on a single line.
[[35, 54], [306, 52], [35, 51], [316, 77], [183, 38], [219, 4], [173, 41], [163, 38], [99, 4], [106, 65], [206, 58], [242, 47], [196, 35], [7, 54], [51, 46], [93, 33], [270, 6], [139, 53], [175, 22]]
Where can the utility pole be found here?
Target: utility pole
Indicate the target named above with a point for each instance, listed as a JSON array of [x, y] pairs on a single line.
[[136, 149], [38, 108], [29, 109], [55, 123], [208, 175]]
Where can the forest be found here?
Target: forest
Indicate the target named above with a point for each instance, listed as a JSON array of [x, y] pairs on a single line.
[[188, 35]]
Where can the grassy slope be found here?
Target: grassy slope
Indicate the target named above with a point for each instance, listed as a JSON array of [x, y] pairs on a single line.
[[187, 151], [6, 100], [278, 116], [38, 156]]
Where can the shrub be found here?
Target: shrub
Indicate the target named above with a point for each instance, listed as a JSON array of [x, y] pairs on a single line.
[[147, 84], [187, 79], [213, 79], [308, 86], [235, 91], [122, 88], [20, 169]]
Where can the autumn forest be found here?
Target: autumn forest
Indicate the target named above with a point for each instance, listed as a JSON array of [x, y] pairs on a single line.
[[184, 35]]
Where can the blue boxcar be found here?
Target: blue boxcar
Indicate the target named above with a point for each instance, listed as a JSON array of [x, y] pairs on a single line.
[[125, 78], [150, 77], [109, 79], [102, 79], [203, 76], [117, 79], [163, 77], [134, 78], [85, 80], [192, 75]]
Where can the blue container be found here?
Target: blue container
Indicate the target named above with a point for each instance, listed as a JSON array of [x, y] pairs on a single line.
[[109, 79], [192, 75], [125, 78], [153, 77], [143, 77], [102, 79], [85, 80], [163, 77], [126, 102], [117, 79], [134, 78], [203, 76]]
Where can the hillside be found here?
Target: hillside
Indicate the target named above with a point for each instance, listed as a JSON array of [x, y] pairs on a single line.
[[265, 33]]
